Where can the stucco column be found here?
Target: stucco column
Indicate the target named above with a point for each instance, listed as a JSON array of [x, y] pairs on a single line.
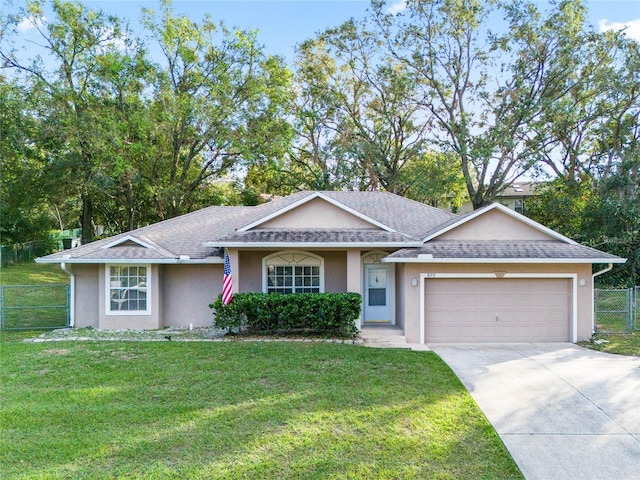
[[354, 276], [234, 261]]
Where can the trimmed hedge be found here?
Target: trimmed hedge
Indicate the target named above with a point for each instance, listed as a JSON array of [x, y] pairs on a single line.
[[327, 313]]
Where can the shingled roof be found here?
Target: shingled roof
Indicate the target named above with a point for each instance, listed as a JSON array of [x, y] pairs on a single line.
[[396, 222], [539, 251], [185, 238]]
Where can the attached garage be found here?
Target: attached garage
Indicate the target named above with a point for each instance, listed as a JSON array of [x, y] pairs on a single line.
[[493, 309]]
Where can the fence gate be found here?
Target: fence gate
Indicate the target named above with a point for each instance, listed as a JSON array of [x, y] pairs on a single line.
[[615, 310], [636, 308], [34, 307]]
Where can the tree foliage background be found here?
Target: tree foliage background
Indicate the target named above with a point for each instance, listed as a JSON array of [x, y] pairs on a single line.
[[430, 103]]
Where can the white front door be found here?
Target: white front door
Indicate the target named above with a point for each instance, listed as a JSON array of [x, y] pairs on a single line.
[[377, 293]]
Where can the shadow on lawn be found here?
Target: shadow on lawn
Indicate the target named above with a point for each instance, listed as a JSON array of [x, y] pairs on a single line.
[[246, 411]]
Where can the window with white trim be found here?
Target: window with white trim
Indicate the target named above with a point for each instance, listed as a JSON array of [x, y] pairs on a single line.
[[128, 289], [293, 272], [518, 206]]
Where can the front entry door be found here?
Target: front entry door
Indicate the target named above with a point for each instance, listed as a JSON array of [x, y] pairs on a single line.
[[376, 293]]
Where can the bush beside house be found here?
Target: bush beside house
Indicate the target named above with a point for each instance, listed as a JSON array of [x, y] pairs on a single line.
[[326, 313]]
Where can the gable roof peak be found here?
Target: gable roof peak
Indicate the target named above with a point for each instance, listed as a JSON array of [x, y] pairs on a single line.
[[129, 239], [308, 196], [505, 210]]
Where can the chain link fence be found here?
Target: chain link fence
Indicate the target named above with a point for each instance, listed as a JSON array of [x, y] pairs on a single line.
[[617, 310], [34, 307], [24, 252], [636, 308]]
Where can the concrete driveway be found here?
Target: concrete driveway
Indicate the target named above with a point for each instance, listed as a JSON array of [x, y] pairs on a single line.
[[562, 411]]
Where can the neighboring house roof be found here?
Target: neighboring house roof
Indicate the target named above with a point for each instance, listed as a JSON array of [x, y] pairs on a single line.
[[520, 189], [383, 220]]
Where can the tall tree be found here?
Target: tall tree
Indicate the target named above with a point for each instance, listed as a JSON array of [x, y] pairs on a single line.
[[23, 190], [123, 201], [483, 91], [73, 44], [218, 106], [357, 121]]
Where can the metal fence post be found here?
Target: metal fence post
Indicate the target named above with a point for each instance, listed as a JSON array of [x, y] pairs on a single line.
[[630, 309], [636, 308]]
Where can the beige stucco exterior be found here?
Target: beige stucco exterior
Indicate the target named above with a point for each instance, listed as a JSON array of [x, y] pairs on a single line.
[[187, 291], [251, 272], [152, 321], [86, 295], [179, 293], [314, 214], [409, 296], [494, 225]]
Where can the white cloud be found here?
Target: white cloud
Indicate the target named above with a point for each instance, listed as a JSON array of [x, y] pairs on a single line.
[[397, 7], [631, 28], [29, 23]]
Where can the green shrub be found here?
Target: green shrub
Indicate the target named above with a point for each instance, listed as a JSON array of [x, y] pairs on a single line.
[[327, 313]]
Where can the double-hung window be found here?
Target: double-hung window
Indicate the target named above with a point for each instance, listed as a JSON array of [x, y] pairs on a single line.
[[128, 289], [293, 272]]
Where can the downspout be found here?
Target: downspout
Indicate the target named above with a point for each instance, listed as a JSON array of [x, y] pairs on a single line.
[[593, 296], [72, 294]]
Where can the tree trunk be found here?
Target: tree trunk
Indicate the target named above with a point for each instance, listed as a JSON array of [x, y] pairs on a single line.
[[87, 224]]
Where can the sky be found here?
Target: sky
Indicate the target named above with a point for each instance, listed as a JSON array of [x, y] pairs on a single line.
[[282, 24]]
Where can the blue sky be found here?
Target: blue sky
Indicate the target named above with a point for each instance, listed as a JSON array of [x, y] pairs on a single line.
[[284, 23]]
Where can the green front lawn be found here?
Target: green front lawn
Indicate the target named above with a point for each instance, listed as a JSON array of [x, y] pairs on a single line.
[[238, 410], [32, 274], [33, 296], [623, 344]]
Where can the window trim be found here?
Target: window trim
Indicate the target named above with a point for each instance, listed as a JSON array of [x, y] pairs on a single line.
[[295, 258], [518, 206], [107, 284]]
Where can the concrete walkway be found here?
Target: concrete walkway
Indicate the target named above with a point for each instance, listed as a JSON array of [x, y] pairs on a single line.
[[562, 411], [387, 336]]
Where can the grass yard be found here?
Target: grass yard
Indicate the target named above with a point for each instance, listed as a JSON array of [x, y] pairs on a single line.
[[245, 410], [33, 297], [622, 344], [32, 274]]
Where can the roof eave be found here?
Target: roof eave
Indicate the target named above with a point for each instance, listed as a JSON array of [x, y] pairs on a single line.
[[313, 244], [505, 260], [104, 261]]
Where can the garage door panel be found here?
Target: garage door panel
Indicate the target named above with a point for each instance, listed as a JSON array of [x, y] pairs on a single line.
[[497, 310]]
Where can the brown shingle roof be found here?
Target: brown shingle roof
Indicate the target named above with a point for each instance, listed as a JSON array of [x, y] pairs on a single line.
[[500, 249], [187, 234], [410, 221], [315, 236]]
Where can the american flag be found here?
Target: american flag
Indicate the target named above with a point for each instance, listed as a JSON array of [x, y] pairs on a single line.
[[227, 281]]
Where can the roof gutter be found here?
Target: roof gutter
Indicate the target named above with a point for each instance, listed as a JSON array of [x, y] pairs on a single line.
[[431, 260], [314, 244], [72, 294], [604, 270], [593, 299], [136, 261]]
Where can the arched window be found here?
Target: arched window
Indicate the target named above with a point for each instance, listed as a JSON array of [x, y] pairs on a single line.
[[293, 272], [374, 257]]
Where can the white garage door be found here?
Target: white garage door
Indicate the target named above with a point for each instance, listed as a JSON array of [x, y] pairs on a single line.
[[497, 310]]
